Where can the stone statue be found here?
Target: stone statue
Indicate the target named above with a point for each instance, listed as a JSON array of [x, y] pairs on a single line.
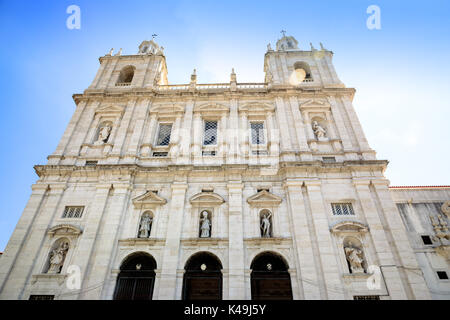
[[205, 226], [145, 227], [269, 47], [157, 79], [269, 77], [318, 130], [265, 225], [119, 53], [103, 135], [57, 257], [110, 52], [355, 258]]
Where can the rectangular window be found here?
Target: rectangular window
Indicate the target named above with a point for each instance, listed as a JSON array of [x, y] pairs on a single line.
[[366, 297], [91, 163], [427, 240], [442, 275], [41, 297], [257, 132], [164, 134], [73, 212], [160, 154], [342, 209], [210, 133], [329, 159]]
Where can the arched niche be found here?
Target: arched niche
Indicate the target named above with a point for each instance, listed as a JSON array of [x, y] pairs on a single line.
[[145, 224], [354, 254], [57, 255], [210, 202], [126, 75]]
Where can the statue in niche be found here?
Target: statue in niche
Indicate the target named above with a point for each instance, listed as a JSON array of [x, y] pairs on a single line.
[[265, 225], [103, 135], [319, 131], [205, 226], [57, 257], [145, 227], [355, 258]]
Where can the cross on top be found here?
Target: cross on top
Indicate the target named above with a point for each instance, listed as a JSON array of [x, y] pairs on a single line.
[[283, 32], [153, 36]]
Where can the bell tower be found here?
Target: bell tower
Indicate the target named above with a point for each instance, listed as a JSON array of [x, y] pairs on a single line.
[[146, 69], [288, 65]]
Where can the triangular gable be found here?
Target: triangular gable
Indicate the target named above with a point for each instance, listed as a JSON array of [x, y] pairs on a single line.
[[315, 103], [264, 198], [207, 198], [110, 109], [257, 107], [167, 108], [209, 107], [64, 229], [149, 198]]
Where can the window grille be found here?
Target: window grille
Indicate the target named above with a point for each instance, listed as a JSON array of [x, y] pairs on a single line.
[[160, 154], [257, 132], [210, 134], [342, 209], [164, 134], [366, 297], [41, 297], [73, 212]]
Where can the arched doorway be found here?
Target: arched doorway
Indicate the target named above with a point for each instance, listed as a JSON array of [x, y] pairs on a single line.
[[136, 278], [202, 278], [270, 279]]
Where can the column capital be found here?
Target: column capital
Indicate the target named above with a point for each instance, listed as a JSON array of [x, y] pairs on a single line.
[[359, 182], [104, 186], [313, 183], [57, 188], [39, 186]]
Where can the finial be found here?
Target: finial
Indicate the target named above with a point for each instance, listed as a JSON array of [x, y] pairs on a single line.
[[269, 47], [321, 46], [312, 47], [110, 52], [233, 75], [154, 36], [119, 53], [194, 76]]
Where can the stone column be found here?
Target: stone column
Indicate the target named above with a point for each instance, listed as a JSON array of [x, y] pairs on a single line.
[[32, 249], [17, 242], [301, 237], [169, 268], [398, 234], [149, 136], [244, 136], [343, 133], [186, 135], [55, 157], [197, 139], [105, 246], [222, 139], [328, 261], [283, 124], [231, 133], [175, 138], [300, 129], [382, 248], [236, 242], [122, 132], [83, 254], [138, 124]]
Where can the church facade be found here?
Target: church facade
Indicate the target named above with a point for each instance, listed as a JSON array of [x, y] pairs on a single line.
[[221, 191]]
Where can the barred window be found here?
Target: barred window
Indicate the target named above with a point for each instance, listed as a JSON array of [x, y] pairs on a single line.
[[366, 297], [73, 212], [164, 134], [342, 209], [41, 297], [257, 132], [210, 133]]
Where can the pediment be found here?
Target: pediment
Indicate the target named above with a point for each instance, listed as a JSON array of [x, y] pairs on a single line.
[[149, 198], [107, 110], [257, 107], [315, 103], [349, 227], [264, 198], [206, 198], [167, 108], [64, 229], [211, 107]]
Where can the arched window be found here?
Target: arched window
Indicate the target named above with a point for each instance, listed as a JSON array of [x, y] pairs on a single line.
[[57, 256], [270, 279], [202, 278], [126, 75], [302, 72], [136, 278], [354, 255], [145, 225], [265, 223]]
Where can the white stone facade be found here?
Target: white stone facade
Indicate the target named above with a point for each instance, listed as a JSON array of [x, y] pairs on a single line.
[[109, 162]]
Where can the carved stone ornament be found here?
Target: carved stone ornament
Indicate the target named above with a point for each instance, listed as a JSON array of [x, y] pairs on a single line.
[[349, 227], [206, 199], [148, 200], [205, 225], [64, 230], [103, 135], [264, 199], [57, 257], [446, 208], [355, 258]]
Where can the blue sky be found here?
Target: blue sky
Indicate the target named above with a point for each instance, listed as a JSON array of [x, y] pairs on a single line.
[[401, 72]]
